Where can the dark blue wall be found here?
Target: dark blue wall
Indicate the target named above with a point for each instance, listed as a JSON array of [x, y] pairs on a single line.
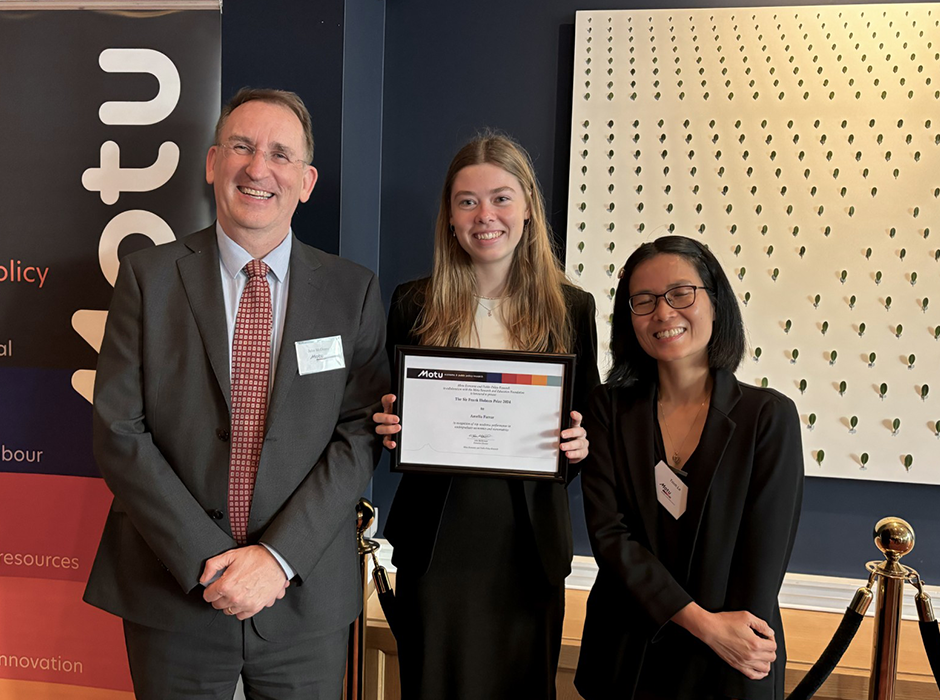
[[295, 45]]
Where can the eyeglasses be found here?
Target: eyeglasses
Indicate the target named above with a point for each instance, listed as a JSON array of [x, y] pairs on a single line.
[[243, 151], [678, 298]]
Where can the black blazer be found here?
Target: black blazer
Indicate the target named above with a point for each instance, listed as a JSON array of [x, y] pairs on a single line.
[[415, 515], [746, 523]]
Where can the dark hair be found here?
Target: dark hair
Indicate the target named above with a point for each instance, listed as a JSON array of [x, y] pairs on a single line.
[[284, 98], [726, 347]]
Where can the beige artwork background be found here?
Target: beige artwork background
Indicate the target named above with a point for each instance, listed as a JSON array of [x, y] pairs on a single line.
[[802, 145]]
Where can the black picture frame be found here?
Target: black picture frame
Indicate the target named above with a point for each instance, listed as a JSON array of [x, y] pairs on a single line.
[[439, 363]]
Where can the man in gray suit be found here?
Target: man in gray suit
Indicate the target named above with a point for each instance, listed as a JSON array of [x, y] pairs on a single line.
[[230, 546]]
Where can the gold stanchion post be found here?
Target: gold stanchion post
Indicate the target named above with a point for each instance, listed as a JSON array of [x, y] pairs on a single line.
[[895, 538]]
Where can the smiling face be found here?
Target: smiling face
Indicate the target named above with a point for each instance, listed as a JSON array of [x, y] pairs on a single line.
[[255, 196], [488, 211], [668, 334]]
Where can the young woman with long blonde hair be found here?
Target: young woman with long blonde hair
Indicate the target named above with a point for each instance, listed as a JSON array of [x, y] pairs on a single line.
[[482, 561]]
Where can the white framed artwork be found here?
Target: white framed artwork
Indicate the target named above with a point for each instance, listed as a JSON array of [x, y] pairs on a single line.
[[802, 145]]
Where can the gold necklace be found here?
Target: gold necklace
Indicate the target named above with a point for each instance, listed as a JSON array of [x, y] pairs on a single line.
[[489, 309], [676, 459]]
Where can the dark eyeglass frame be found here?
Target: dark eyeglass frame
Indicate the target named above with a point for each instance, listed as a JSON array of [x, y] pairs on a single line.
[[666, 295]]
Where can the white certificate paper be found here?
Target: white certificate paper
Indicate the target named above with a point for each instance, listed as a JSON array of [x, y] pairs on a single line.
[[481, 414]]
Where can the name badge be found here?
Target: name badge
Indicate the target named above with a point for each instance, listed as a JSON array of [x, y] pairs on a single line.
[[671, 492], [319, 355]]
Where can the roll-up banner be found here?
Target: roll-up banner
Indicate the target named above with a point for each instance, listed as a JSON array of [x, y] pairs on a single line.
[[106, 117]]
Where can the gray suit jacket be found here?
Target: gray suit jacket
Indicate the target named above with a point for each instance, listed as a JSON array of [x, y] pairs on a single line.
[[161, 429]]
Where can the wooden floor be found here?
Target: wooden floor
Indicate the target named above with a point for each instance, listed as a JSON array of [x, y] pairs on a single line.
[[807, 634]]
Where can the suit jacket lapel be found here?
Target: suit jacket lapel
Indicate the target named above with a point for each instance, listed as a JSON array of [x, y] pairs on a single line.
[[202, 282], [711, 448], [304, 297], [637, 431]]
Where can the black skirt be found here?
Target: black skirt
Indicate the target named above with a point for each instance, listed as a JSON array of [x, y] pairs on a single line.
[[483, 622]]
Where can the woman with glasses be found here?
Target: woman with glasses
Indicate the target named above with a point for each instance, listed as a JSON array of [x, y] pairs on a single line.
[[482, 561], [692, 494]]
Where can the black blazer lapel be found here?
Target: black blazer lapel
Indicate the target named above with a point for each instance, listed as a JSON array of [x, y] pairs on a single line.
[[202, 282], [716, 435], [636, 437], [305, 294]]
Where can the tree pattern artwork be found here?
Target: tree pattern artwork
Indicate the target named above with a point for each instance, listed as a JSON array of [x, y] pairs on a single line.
[[802, 145]]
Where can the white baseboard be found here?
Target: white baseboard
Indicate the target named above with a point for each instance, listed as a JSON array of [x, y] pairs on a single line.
[[800, 591]]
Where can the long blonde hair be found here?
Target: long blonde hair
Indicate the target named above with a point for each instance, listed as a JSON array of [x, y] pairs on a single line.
[[534, 309]]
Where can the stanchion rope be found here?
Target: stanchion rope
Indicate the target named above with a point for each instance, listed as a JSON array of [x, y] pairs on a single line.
[[831, 656]]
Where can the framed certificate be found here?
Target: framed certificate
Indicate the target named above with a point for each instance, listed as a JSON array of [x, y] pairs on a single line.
[[482, 412]]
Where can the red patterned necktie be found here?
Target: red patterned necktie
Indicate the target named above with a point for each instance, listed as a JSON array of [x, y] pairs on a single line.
[[251, 366]]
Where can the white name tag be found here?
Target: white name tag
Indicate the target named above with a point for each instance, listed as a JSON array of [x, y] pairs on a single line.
[[319, 355], [670, 490]]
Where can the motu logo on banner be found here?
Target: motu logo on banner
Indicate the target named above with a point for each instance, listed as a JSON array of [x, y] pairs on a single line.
[[110, 180]]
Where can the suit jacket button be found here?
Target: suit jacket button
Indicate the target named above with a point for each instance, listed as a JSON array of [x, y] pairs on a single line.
[[222, 434], [216, 514]]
